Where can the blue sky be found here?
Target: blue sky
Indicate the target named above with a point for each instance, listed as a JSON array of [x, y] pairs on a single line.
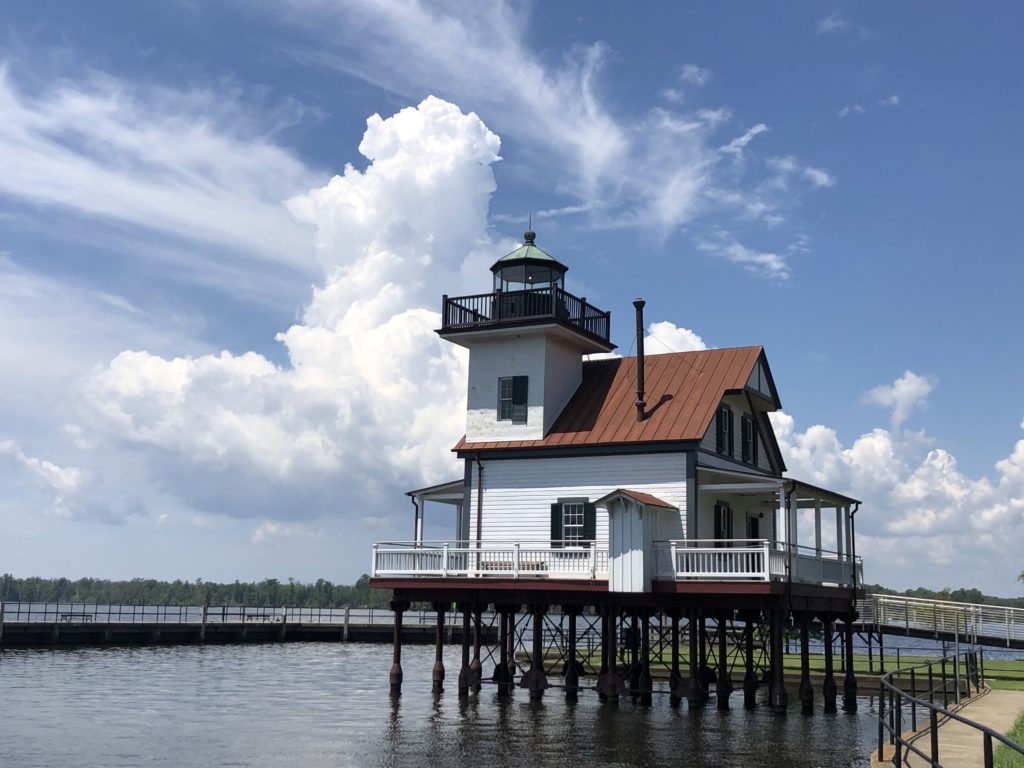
[[218, 359]]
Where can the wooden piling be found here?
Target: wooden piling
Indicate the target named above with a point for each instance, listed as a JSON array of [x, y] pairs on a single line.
[[828, 687], [395, 675], [437, 674], [806, 689]]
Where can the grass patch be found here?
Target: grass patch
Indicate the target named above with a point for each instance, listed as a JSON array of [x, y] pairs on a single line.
[[1006, 757]]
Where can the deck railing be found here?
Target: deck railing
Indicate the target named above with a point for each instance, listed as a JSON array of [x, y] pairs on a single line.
[[751, 560], [519, 559], [698, 560], [510, 307]]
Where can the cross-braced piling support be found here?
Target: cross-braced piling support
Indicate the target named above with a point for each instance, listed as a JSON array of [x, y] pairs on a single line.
[[535, 681], [677, 689], [723, 683], [777, 697]]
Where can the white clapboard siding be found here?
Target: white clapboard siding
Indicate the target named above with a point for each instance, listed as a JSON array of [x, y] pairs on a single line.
[[518, 493]]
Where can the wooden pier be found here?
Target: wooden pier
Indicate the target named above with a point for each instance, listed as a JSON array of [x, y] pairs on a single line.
[[35, 625]]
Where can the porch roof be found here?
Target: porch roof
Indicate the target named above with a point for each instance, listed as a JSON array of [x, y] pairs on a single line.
[[446, 493]]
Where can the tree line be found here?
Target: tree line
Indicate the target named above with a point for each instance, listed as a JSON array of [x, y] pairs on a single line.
[[317, 594], [963, 595], [269, 592]]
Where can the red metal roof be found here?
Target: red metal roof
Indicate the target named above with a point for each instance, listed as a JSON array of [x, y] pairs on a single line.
[[683, 390]]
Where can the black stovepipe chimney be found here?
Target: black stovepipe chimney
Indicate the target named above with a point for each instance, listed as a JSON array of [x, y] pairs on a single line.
[[640, 402]]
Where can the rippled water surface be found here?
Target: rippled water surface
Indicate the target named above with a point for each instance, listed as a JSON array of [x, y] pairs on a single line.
[[327, 704]]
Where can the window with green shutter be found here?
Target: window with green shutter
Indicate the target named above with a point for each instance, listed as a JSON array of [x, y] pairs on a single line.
[[724, 430], [512, 394], [573, 523]]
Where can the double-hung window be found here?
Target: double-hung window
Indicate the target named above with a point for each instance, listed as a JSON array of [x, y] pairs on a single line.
[[748, 439], [573, 523], [724, 433], [512, 392]]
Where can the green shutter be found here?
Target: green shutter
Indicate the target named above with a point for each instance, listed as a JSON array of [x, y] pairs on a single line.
[[720, 426], [729, 439], [519, 393], [718, 522], [589, 521], [556, 525]]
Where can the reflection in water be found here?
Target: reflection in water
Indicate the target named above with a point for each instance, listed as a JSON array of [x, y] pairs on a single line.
[[327, 705]]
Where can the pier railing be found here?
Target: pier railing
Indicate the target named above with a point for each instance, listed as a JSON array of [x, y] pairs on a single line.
[[97, 613], [909, 695], [991, 624]]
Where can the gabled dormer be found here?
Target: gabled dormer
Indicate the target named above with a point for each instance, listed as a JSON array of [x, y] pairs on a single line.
[[526, 341], [740, 431]]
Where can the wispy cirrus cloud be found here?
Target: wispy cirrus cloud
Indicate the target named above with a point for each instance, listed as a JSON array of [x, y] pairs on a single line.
[[191, 166], [651, 169]]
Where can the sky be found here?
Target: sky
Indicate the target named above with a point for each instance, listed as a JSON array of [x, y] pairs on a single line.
[[225, 230]]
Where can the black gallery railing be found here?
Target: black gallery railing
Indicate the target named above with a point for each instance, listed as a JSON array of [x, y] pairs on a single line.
[[509, 307], [931, 687]]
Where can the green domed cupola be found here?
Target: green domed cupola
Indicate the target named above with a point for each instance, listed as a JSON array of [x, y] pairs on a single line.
[[528, 268]]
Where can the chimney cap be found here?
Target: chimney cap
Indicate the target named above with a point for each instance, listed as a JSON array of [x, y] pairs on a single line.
[[639, 303]]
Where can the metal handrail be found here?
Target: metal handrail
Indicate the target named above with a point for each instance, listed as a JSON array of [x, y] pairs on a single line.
[[898, 697]]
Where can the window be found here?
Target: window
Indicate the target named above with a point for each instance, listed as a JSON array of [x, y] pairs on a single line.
[[573, 523], [748, 439], [512, 399], [724, 422]]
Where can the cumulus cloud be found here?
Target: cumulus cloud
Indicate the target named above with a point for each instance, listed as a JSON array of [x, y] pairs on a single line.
[[889, 101], [920, 510], [909, 392], [371, 399], [670, 337], [71, 492]]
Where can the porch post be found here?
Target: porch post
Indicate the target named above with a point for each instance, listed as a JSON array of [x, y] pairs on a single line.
[[839, 533], [794, 515], [849, 535], [817, 526]]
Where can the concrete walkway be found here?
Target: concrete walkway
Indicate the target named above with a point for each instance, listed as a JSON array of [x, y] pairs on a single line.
[[960, 746]]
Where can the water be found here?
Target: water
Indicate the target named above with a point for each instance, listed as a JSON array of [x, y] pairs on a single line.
[[326, 704]]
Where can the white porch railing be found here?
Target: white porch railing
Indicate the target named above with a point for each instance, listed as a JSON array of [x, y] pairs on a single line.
[[750, 560], [519, 559], [699, 560]]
